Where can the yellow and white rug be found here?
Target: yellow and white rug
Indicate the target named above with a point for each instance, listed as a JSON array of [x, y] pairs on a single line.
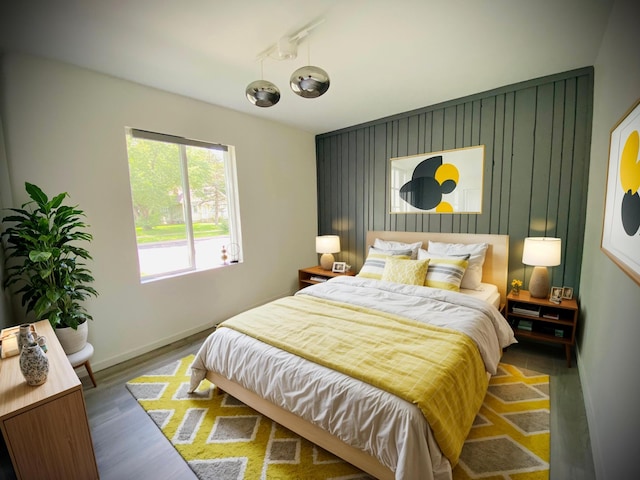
[[510, 435], [223, 439]]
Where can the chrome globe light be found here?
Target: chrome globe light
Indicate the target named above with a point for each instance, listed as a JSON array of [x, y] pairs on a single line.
[[309, 81], [263, 93]]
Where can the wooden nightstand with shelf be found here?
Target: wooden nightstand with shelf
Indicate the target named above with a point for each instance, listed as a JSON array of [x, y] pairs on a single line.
[[540, 319], [312, 275]]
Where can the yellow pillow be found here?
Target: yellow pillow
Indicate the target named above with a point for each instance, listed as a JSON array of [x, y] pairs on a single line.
[[406, 271]]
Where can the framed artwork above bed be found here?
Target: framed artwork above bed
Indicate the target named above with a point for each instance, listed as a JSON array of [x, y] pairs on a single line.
[[449, 181]]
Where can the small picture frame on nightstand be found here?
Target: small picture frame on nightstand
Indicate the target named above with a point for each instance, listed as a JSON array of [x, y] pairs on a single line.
[[556, 295], [339, 267], [567, 292]]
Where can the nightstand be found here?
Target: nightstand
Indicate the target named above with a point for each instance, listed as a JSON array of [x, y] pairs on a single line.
[[540, 319], [311, 275]]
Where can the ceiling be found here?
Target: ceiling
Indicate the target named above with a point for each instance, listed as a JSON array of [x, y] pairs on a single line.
[[384, 57]]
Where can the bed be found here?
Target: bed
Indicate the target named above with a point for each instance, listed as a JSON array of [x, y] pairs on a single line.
[[393, 419]]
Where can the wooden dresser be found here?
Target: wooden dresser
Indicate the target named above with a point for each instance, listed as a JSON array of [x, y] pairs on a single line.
[[45, 428]]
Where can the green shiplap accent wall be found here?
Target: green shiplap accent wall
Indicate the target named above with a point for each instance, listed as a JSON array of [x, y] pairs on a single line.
[[537, 138]]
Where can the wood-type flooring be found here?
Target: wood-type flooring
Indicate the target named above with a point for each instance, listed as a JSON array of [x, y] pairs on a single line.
[[129, 445]]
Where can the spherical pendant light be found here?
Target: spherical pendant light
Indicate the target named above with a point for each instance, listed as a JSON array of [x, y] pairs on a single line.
[[309, 82], [263, 93]]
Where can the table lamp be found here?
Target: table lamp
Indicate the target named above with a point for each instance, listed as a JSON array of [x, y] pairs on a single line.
[[327, 245], [541, 252]]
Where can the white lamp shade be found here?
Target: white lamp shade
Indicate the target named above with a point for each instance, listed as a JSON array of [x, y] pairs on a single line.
[[541, 251], [328, 244]]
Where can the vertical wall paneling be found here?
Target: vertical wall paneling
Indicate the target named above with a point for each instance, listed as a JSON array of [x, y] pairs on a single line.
[[486, 136], [539, 224], [537, 141], [580, 180], [378, 200], [356, 248]]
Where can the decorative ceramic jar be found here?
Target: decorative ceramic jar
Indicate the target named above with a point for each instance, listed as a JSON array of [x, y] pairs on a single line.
[[24, 335], [34, 364]]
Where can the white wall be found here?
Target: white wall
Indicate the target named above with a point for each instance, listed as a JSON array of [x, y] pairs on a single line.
[[5, 311], [609, 351], [64, 131]]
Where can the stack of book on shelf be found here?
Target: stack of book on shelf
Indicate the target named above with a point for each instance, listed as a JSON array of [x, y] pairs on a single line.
[[525, 325], [551, 315], [318, 279], [523, 309]]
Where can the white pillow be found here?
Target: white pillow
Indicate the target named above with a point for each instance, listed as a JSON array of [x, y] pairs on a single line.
[[477, 251], [424, 254], [391, 245]]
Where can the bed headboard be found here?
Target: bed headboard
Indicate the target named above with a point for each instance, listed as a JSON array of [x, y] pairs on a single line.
[[496, 263]]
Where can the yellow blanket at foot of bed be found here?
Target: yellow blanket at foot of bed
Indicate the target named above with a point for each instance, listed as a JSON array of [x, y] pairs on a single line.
[[438, 369]]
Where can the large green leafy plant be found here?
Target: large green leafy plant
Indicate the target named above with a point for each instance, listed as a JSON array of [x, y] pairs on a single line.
[[44, 259]]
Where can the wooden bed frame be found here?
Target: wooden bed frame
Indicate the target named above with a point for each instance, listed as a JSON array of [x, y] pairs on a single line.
[[494, 271]]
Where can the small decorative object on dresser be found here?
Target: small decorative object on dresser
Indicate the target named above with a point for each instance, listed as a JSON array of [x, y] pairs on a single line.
[[567, 292], [516, 285], [34, 364], [25, 335]]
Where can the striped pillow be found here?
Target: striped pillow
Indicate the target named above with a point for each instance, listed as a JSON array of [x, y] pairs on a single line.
[[476, 251], [374, 264], [408, 272], [446, 273]]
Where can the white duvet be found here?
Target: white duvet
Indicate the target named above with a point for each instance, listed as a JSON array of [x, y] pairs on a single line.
[[385, 426]]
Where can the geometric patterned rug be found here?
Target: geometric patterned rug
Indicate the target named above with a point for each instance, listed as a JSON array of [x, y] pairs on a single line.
[[221, 438], [510, 435]]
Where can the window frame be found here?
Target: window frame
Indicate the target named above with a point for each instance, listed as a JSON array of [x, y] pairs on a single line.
[[233, 204]]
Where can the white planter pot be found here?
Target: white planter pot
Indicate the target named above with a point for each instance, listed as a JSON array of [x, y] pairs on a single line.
[[73, 341]]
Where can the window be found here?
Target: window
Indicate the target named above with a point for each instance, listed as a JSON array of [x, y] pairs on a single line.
[[185, 204]]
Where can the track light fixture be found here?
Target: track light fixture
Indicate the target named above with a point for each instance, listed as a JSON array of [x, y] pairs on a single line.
[[307, 82], [262, 93]]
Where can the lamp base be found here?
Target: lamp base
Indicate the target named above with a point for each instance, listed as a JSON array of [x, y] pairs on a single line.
[[326, 261], [539, 282]]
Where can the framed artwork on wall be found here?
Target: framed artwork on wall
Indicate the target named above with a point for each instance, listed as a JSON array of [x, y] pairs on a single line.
[[621, 228], [439, 182]]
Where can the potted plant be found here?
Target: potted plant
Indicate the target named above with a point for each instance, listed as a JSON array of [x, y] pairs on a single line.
[[45, 261]]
